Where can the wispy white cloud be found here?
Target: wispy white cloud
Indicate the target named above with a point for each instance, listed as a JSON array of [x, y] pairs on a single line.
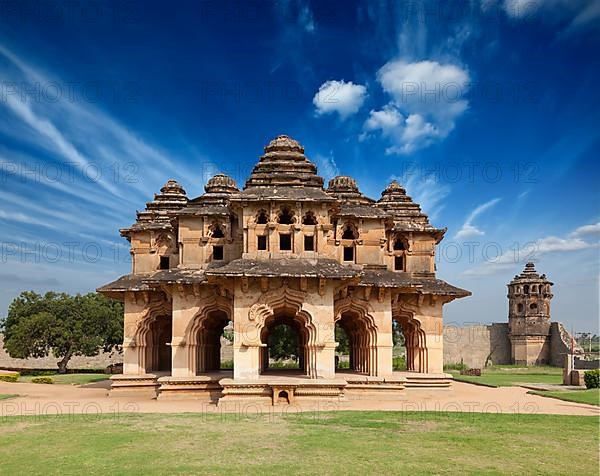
[[469, 230], [578, 14], [592, 231], [426, 191], [533, 250], [327, 166], [345, 98]]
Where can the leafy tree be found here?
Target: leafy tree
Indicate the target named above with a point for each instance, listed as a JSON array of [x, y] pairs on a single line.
[[283, 343], [63, 325]]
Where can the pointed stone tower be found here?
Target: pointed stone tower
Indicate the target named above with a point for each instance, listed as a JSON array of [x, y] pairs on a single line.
[[529, 296]]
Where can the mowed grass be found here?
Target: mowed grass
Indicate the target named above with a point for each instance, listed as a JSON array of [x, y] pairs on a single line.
[[323, 443], [6, 396], [590, 396], [506, 376], [69, 379]]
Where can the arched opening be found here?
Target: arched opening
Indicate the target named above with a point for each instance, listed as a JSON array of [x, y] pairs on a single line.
[[350, 232], [209, 343], [217, 232], [285, 340], [413, 339], [519, 307], [399, 244], [526, 289], [286, 216], [262, 218], [309, 218], [356, 350], [158, 345], [283, 397]]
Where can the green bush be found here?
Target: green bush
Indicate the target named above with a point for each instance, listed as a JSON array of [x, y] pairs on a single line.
[[592, 378], [399, 363], [9, 377], [42, 380], [456, 366], [37, 373]]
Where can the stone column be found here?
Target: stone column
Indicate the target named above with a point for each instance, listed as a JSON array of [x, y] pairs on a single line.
[[185, 307], [382, 315]]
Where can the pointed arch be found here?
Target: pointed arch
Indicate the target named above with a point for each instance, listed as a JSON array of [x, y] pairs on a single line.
[[354, 316], [156, 320], [203, 333]]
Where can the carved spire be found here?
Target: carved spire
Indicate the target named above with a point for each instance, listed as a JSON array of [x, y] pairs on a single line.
[[284, 163]]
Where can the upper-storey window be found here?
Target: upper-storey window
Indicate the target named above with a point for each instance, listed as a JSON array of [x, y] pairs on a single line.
[[399, 263], [164, 262], [262, 218], [309, 243], [218, 253], [217, 232], [262, 243], [285, 242], [286, 216], [399, 244], [526, 289], [309, 219], [350, 232]]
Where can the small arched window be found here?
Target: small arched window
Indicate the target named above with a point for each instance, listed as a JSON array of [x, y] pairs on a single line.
[[533, 306], [399, 244], [262, 218], [217, 232], [526, 289], [309, 219], [350, 232], [520, 307], [286, 216]]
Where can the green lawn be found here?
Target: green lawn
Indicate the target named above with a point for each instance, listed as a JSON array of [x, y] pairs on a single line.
[[312, 443], [70, 379], [4, 396], [506, 375], [590, 396]]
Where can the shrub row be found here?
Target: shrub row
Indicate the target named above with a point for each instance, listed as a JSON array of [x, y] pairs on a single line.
[[42, 379], [9, 377], [592, 378]]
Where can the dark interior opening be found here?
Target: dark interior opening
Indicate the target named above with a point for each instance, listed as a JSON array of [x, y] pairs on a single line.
[[262, 218], [285, 242], [399, 263], [217, 232], [262, 243], [348, 253], [164, 262], [309, 243], [217, 253]]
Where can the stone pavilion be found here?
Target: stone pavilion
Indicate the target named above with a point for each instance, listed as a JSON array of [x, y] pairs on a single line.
[[283, 250]]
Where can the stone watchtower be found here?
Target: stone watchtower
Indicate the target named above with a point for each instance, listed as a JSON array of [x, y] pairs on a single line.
[[529, 296]]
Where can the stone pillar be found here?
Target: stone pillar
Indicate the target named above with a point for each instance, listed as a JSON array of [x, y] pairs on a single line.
[[185, 308], [132, 350], [382, 315]]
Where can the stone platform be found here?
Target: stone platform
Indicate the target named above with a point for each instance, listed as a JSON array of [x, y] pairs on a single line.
[[277, 387]]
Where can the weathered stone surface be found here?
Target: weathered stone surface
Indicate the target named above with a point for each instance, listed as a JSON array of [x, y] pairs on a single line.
[[282, 251]]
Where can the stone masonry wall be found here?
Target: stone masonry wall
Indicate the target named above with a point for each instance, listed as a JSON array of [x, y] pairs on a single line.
[[474, 345], [560, 344], [100, 361]]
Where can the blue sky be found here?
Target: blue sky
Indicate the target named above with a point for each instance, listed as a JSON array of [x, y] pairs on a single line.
[[487, 111]]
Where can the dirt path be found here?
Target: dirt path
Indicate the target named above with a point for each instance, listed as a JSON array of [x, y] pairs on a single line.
[[92, 399]]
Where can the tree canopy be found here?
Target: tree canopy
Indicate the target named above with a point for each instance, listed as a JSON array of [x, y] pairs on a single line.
[[62, 325]]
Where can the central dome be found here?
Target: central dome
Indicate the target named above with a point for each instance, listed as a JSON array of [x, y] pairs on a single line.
[[284, 164]]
